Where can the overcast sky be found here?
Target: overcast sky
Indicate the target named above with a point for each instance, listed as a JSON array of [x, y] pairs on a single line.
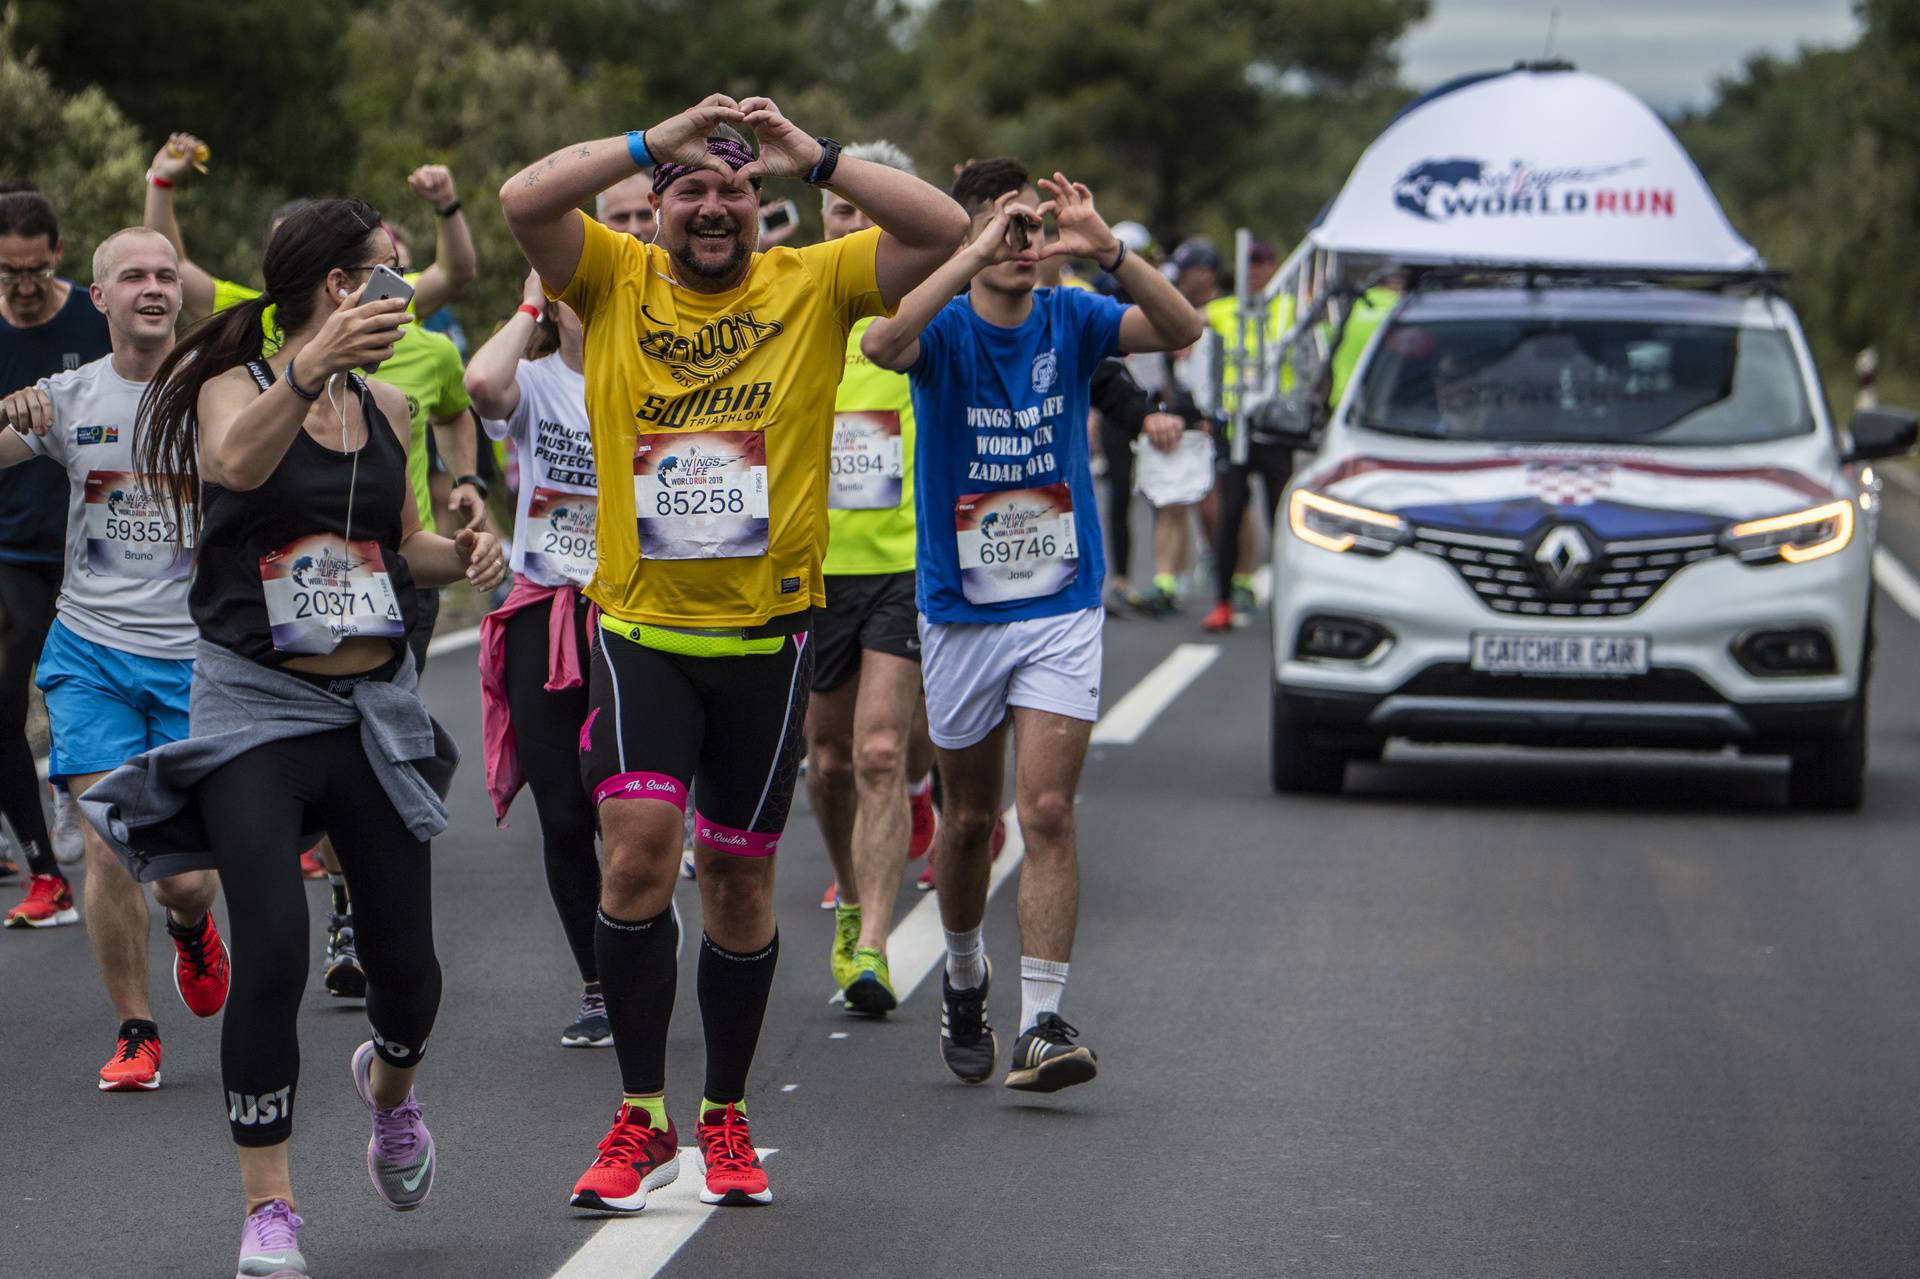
[[1667, 51]]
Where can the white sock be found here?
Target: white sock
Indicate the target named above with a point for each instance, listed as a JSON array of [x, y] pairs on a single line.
[[966, 959], [919, 788], [1042, 982]]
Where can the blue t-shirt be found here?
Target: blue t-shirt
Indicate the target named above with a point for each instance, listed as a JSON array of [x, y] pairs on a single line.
[[1008, 526], [33, 495]]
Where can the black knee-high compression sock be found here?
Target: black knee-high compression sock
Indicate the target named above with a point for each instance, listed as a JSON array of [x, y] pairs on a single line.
[[733, 1002], [638, 971]]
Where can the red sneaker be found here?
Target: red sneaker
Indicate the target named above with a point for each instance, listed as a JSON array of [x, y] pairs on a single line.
[[830, 898], [311, 867], [925, 881], [734, 1174], [200, 967], [134, 1066], [1219, 618], [925, 822], [634, 1158], [49, 904]]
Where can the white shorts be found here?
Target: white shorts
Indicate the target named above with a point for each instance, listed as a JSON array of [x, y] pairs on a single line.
[[974, 672]]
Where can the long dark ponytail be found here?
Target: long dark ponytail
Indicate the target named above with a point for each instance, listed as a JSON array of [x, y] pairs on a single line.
[[315, 237]]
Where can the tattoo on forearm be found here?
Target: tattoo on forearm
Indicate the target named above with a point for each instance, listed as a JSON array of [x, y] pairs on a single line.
[[534, 175]]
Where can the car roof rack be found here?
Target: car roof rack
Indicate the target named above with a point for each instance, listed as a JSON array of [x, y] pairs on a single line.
[[1454, 275]]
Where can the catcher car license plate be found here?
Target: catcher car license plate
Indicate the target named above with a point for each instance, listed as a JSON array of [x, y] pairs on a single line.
[[1597, 656]]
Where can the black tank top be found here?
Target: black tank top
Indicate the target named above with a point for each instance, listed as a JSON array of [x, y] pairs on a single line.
[[250, 538]]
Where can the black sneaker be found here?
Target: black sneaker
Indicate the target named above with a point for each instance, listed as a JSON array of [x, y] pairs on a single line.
[[967, 1042], [343, 976], [1046, 1059], [590, 1029]]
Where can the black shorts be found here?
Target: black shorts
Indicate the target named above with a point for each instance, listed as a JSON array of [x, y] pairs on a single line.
[[864, 610], [730, 728]]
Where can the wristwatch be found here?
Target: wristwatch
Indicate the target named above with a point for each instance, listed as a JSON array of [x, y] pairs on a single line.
[[474, 481]]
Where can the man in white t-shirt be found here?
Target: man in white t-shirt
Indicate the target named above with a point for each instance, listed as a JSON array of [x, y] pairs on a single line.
[[118, 661]]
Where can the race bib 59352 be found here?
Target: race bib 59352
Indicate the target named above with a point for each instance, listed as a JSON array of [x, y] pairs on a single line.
[[130, 530]]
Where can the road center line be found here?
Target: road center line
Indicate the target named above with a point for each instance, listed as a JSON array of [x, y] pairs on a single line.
[[1897, 580], [623, 1248]]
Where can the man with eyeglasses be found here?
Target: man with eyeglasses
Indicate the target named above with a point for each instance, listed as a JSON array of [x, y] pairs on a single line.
[[47, 326]]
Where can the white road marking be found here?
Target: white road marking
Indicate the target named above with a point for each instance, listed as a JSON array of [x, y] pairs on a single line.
[[453, 641], [1897, 580], [639, 1246], [1133, 714]]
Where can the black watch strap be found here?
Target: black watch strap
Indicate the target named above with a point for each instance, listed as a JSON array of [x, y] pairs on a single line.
[[822, 172], [473, 480]]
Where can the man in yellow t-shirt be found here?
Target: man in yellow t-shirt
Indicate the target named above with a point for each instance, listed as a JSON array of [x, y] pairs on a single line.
[[711, 372], [865, 735]]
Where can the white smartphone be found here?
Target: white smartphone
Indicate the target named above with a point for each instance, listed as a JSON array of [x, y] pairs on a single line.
[[384, 283], [778, 216]]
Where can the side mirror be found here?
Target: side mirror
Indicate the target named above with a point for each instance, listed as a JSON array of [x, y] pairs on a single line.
[[1875, 433]]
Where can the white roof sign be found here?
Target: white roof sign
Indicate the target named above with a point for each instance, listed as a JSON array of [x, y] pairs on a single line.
[[1535, 167]]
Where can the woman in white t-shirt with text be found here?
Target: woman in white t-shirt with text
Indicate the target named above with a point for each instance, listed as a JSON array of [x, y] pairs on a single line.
[[528, 387]]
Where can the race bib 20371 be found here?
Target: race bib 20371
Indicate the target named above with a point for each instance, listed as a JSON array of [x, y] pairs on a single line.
[[321, 589]]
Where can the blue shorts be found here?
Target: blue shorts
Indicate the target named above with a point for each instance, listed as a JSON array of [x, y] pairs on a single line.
[[106, 705]]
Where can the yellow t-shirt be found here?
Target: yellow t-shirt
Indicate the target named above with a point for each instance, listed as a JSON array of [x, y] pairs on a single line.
[[872, 469], [712, 417]]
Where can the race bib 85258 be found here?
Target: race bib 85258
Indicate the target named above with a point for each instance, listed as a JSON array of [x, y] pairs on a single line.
[[130, 530], [1016, 545], [701, 496], [322, 589]]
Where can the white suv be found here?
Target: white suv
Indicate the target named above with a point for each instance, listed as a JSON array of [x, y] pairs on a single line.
[[1582, 514]]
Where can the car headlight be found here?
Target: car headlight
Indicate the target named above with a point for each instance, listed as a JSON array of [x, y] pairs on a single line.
[[1339, 526], [1793, 539]]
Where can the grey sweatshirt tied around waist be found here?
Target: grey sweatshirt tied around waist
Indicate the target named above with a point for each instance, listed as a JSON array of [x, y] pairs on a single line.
[[148, 807]]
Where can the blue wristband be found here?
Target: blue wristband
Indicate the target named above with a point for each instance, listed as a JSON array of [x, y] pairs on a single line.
[[637, 148]]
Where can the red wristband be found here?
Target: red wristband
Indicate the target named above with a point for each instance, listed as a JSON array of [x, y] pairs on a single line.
[[528, 308], [159, 181]]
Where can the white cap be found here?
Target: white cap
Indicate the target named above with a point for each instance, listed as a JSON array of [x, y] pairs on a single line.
[[1136, 237]]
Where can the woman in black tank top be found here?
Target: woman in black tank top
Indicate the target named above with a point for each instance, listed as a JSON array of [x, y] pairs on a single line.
[[310, 553]]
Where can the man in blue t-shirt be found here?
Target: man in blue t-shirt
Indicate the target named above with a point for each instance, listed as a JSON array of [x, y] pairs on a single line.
[[47, 325], [1010, 573]]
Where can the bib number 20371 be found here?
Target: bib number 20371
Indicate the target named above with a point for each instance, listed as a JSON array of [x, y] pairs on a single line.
[[1016, 545], [321, 590], [701, 496]]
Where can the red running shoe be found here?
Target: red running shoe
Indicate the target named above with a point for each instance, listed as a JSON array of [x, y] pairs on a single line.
[[634, 1159], [311, 867], [734, 1174], [49, 904], [925, 822], [134, 1066], [1219, 618], [925, 881], [201, 966]]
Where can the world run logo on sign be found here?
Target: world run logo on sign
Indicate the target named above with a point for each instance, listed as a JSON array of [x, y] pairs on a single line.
[[1442, 190]]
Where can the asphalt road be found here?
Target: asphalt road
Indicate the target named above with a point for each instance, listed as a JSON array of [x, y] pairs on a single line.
[[1492, 1014]]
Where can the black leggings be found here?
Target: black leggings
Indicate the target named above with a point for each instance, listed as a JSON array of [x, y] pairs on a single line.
[[1117, 444], [1273, 463], [256, 808], [546, 730], [27, 595]]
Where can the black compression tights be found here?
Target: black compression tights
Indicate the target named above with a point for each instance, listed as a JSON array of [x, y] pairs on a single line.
[[546, 729], [256, 808], [1118, 446], [1273, 463], [27, 594]]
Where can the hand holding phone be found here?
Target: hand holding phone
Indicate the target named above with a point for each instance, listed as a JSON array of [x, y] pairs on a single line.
[[385, 284]]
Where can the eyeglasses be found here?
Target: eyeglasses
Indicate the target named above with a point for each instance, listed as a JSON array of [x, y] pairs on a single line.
[[19, 275]]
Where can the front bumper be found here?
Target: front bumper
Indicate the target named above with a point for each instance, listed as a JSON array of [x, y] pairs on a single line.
[[1420, 684]]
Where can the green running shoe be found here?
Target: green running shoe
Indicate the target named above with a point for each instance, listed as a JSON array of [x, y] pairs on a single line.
[[846, 938], [870, 993]]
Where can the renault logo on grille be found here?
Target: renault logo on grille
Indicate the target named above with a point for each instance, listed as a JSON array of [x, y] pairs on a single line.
[[1563, 556]]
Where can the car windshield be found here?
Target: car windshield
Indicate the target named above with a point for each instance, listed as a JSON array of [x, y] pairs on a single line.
[[1590, 381]]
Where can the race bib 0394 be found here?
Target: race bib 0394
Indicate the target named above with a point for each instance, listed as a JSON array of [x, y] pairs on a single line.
[[866, 470], [321, 589], [130, 530], [1016, 545], [701, 496]]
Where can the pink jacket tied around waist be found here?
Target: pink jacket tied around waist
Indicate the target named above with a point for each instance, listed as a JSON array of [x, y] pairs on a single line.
[[504, 776]]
